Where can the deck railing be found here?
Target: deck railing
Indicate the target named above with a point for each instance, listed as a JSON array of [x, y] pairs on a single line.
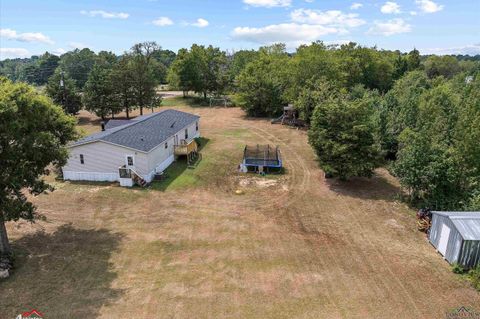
[[186, 147], [125, 172]]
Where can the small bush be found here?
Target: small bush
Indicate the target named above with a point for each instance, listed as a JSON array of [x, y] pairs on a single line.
[[474, 276], [457, 269]]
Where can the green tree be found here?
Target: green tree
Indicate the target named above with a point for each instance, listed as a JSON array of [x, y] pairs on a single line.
[[100, 96], [122, 79], [63, 91], [33, 135], [446, 66], [143, 74], [342, 134], [238, 62], [183, 73], [314, 94], [77, 64], [399, 109], [47, 64], [261, 85], [413, 60]]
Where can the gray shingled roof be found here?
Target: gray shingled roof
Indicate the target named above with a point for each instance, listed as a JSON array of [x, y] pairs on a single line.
[[467, 223], [115, 123], [144, 133]]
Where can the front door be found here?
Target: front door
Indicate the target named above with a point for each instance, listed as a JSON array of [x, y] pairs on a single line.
[[443, 242], [176, 140]]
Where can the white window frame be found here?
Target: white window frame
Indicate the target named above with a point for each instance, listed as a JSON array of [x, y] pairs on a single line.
[[126, 160]]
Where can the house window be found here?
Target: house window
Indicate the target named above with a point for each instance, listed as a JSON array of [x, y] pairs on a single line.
[[82, 160], [129, 160], [196, 126], [186, 134], [166, 145]]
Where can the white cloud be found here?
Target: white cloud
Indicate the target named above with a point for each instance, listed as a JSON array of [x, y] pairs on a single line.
[[330, 18], [286, 32], [77, 45], [105, 14], [413, 13], [25, 37], [59, 51], [268, 3], [389, 27], [201, 23], [162, 21], [11, 53], [471, 49], [429, 6], [390, 7], [356, 5]]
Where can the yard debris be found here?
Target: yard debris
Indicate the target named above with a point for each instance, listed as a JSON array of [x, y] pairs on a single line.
[[259, 182], [424, 221]]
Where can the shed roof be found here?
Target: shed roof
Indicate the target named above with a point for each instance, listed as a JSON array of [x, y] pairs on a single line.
[[143, 133], [467, 223]]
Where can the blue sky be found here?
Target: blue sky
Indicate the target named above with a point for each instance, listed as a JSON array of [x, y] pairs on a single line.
[[433, 26]]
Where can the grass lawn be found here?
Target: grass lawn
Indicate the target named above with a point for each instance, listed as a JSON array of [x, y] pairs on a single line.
[[292, 245]]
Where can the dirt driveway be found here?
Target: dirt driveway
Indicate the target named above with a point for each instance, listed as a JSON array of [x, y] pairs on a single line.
[[294, 246]]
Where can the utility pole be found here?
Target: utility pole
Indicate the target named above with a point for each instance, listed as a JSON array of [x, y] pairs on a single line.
[[62, 85]]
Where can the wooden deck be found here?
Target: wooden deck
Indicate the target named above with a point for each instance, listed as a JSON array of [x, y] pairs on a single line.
[[186, 148]]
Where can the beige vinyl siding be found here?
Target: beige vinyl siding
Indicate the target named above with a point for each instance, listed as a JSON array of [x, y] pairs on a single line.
[[192, 133], [101, 157], [159, 154]]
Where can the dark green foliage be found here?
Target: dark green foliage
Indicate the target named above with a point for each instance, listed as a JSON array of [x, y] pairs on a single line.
[[200, 69], [446, 66], [77, 64], [33, 135], [399, 109], [413, 60], [64, 92], [164, 57], [99, 94], [342, 135], [457, 269], [438, 156], [142, 66], [474, 276], [238, 62], [261, 84], [314, 94]]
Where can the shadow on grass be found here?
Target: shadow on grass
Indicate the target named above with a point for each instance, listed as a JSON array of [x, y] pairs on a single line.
[[377, 187], [84, 120], [90, 183], [178, 171], [66, 274]]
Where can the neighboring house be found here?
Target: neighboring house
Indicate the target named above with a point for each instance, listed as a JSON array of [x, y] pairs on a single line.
[[456, 236], [131, 151]]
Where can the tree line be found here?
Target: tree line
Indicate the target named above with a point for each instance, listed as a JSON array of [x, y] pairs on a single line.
[[365, 107]]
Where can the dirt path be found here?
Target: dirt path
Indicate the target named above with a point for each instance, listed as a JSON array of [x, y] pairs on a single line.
[[300, 247]]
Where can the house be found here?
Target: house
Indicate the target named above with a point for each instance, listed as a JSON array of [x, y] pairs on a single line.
[[133, 151], [456, 236]]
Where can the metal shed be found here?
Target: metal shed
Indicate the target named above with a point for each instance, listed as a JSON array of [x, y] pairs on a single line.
[[456, 235]]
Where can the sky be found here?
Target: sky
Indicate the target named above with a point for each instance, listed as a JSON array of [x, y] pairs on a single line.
[[31, 27]]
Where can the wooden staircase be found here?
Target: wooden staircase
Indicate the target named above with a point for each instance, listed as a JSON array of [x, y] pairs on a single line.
[[137, 179]]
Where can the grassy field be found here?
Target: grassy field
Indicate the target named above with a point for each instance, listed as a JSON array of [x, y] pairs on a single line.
[[292, 246]]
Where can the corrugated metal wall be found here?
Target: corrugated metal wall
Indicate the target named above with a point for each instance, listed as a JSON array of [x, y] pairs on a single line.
[[470, 255], [454, 241]]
